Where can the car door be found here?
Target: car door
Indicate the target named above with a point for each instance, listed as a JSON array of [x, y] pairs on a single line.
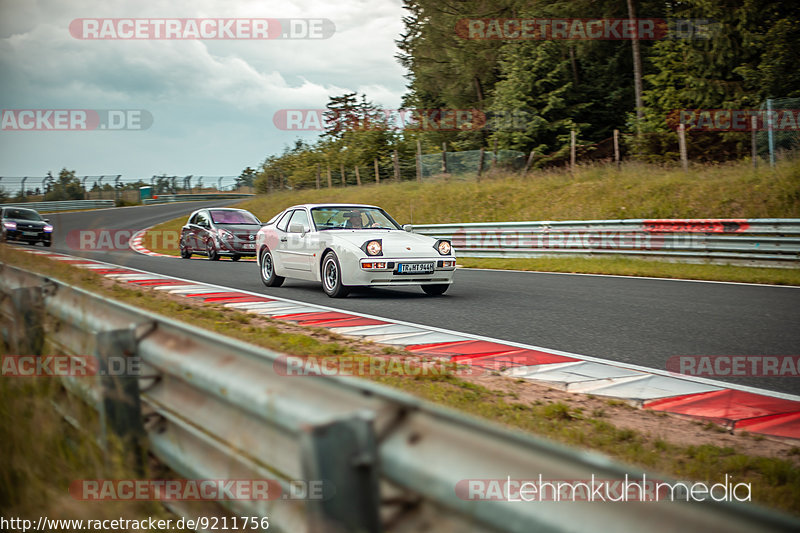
[[200, 230], [295, 244]]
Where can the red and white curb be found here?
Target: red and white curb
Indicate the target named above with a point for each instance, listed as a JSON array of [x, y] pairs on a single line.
[[737, 407], [135, 244]]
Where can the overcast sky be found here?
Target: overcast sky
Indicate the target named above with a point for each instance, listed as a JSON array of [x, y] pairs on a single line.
[[212, 101]]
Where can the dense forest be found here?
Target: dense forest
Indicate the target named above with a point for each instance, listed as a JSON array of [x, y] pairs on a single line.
[[532, 89]]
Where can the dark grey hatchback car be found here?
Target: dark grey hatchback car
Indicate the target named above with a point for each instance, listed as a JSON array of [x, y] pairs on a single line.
[[26, 225], [219, 232]]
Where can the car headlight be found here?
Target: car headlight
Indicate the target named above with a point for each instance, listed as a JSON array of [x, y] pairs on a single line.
[[443, 247], [48, 229], [373, 247], [10, 225], [225, 234]]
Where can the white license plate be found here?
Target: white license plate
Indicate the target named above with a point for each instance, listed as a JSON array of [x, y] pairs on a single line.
[[248, 246], [30, 233], [415, 268]]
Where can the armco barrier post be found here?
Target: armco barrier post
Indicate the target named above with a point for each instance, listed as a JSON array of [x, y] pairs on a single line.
[[344, 455], [121, 412], [28, 337]]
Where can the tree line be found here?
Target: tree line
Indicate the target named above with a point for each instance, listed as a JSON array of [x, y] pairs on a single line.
[[711, 54]]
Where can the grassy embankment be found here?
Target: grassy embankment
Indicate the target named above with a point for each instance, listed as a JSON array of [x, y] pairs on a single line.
[[594, 192], [41, 455]]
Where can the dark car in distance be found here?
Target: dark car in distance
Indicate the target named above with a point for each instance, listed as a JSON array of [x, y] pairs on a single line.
[[219, 232], [26, 225]]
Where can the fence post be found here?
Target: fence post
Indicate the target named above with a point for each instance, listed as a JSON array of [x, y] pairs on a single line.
[[444, 158], [377, 172], [682, 147], [396, 163], [616, 148], [358, 177], [419, 161], [753, 144], [317, 176], [480, 162], [529, 162], [344, 454], [770, 135], [572, 155], [494, 155]]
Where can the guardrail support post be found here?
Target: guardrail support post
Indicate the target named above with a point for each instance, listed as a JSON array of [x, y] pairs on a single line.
[[118, 371], [28, 337], [343, 453]]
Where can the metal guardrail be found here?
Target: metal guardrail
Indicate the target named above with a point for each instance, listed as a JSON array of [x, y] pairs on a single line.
[[66, 205], [216, 408], [167, 198], [771, 242]]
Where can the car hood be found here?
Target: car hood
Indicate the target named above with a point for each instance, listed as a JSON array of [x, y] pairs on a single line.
[[27, 223], [395, 243]]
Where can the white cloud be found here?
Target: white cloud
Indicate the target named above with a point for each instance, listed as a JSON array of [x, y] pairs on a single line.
[[212, 101]]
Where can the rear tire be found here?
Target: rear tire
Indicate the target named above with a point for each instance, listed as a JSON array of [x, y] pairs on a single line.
[[211, 250], [267, 271], [332, 277], [435, 290]]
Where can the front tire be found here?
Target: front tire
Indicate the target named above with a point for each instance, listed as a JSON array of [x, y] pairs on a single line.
[[211, 250], [332, 277], [47, 243], [235, 257], [267, 270], [186, 253], [435, 290]]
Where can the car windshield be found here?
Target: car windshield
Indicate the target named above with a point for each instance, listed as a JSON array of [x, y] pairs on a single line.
[[233, 217], [21, 214], [326, 218]]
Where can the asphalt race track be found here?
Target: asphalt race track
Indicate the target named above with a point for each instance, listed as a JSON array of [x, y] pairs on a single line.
[[640, 321]]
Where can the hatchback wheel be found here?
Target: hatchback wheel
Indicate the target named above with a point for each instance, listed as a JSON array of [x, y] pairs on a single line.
[[186, 253], [211, 251]]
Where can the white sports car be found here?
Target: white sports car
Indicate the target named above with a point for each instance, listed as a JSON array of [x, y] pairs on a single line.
[[346, 246]]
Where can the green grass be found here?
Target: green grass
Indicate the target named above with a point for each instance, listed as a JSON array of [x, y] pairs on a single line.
[[731, 190], [623, 266]]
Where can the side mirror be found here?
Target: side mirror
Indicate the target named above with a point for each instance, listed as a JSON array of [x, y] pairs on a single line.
[[408, 227], [297, 228], [47, 220]]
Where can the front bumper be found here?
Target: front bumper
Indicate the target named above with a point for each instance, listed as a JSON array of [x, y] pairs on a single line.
[[28, 235], [236, 247], [443, 270]]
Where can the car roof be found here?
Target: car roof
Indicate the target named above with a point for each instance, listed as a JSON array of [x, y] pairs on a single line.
[[13, 207], [310, 206]]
